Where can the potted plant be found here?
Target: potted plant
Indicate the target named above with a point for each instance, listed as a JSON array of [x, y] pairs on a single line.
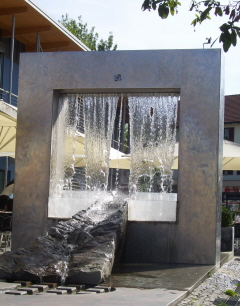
[[227, 230]]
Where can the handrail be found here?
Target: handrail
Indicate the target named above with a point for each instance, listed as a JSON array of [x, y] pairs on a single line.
[[4, 95]]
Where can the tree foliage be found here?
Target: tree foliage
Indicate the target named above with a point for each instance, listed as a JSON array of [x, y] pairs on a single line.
[[229, 31], [89, 37]]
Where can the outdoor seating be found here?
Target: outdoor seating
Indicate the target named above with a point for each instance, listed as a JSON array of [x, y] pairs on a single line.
[[5, 229]]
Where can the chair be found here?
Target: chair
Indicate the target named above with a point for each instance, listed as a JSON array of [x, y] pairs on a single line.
[[5, 229]]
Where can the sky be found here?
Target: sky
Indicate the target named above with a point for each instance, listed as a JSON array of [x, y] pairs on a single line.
[[134, 29]]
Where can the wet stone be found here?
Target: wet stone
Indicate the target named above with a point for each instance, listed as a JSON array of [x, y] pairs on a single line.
[[74, 251]]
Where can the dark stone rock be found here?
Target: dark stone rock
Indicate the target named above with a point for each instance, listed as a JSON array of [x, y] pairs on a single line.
[[80, 251]]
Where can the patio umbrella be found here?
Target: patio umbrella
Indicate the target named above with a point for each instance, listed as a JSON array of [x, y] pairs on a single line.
[[117, 159], [231, 156], [8, 125]]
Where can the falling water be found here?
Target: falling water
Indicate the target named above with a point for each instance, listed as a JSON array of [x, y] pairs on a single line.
[[152, 134], [63, 145], [152, 139], [99, 116]]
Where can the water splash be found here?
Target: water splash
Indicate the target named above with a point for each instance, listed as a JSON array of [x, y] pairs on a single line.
[[61, 269], [152, 139], [99, 116]]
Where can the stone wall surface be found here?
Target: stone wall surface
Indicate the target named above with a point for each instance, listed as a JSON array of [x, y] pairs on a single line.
[[81, 250]]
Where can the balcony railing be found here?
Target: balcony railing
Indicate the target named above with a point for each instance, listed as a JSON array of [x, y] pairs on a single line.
[[4, 95]]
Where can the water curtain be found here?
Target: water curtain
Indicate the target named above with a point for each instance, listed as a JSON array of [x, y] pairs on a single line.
[[152, 140], [63, 145], [99, 116]]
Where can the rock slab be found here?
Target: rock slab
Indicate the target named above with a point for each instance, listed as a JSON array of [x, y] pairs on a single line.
[[81, 250]]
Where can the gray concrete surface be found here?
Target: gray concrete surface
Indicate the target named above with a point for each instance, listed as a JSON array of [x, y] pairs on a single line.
[[160, 285]]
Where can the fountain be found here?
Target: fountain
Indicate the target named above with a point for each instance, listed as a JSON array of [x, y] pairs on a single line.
[[83, 249], [193, 235]]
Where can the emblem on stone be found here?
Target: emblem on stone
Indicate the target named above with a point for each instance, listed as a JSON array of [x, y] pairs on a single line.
[[117, 77]]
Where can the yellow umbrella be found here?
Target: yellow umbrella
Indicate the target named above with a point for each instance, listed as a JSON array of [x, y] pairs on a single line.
[[8, 125]]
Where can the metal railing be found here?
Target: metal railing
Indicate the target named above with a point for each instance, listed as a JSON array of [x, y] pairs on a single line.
[[4, 95]]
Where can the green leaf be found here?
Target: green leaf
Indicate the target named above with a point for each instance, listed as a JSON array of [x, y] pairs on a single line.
[[234, 38], [226, 45], [222, 38], [194, 22], [146, 5], [163, 11], [227, 10], [154, 5], [218, 11], [224, 27]]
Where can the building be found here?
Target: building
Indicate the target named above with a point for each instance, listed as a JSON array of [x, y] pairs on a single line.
[[231, 179], [25, 27]]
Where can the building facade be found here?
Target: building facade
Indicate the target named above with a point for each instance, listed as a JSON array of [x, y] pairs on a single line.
[[25, 27]]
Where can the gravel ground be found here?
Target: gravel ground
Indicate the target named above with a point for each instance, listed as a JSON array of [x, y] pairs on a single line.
[[212, 290]]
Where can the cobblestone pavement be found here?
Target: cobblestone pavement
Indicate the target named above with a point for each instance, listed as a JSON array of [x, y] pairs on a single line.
[[212, 290]]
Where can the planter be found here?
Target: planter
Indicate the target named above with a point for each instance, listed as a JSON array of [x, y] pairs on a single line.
[[227, 239]]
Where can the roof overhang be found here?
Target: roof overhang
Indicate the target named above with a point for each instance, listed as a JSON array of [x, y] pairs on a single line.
[[32, 20]]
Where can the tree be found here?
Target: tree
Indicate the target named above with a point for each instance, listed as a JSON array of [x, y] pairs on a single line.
[[89, 37], [229, 31]]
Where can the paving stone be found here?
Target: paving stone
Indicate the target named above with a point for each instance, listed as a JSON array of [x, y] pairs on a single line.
[[106, 289], [50, 285], [86, 292], [28, 290], [69, 289], [15, 292], [57, 291], [41, 288], [24, 283], [95, 290], [211, 291], [77, 286], [8, 286]]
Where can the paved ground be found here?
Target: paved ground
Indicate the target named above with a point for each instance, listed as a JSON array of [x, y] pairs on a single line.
[[212, 290], [160, 285]]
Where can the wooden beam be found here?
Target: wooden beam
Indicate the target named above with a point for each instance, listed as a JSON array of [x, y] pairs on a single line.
[[13, 10], [26, 30]]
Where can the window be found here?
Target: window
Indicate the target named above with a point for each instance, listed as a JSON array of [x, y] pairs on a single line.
[[227, 172], [229, 134]]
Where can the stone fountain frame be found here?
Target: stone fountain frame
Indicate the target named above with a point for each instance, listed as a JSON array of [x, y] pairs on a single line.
[[197, 75]]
